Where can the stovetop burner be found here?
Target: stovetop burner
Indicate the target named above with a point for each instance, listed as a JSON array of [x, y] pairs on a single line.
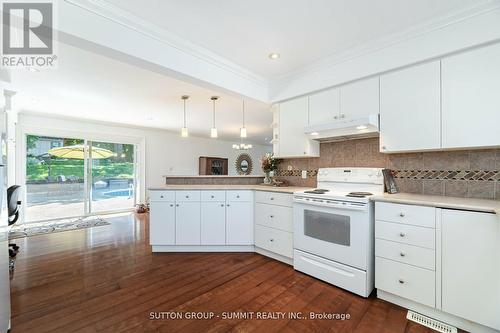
[[358, 194], [317, 191]]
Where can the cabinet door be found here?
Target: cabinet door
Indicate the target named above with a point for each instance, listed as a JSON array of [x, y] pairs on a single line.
[[471, 266], [275, 109], [324, 106], [471, 98], [410, 109], [162, 223], [293, 141], [187, 223], [213, 223], [239, 223], [359, 99]]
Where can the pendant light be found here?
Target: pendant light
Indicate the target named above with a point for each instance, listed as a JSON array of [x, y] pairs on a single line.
[[213, 130], [184, 129], [243, 129]]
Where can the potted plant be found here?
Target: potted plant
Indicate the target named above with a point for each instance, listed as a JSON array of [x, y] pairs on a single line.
[[269, 164]]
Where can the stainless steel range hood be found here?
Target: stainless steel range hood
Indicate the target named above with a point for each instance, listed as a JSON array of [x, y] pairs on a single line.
[[345, 129]]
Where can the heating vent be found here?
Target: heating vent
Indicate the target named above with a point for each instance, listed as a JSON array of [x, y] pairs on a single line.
[[431, 323]]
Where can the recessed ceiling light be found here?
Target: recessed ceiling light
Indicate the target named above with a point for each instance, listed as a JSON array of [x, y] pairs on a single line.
[[274, 56], [315, 133], [362, 127]]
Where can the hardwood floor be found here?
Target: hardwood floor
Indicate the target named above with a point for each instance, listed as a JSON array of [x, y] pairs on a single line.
[[106, 279]]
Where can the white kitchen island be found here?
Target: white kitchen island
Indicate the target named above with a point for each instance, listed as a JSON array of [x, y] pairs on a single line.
[[223, 218]]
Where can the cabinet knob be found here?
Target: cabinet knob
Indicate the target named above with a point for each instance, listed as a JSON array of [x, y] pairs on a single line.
[[272, 239], [271, 198], [336, 117], [187, 196], [171, 205], [222, 205], [177, 205], [228, 205], [161, 196], [305, 152], [271, 216], [342, 115], [238, 196], [401, 281], [402, 254], [212, 196], [402, 214], [384, 147], [402, 234]]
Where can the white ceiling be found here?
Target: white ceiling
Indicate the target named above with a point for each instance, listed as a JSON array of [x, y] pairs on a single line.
[[303, 32], [90, 86]]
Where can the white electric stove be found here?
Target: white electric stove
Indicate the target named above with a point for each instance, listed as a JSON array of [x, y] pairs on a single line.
[[334, 228]]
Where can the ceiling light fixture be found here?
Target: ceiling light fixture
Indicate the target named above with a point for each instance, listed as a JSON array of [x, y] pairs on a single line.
[[184, 129], [362, 127], [314, 133], [213, 130], [243, 130], [274, 56]]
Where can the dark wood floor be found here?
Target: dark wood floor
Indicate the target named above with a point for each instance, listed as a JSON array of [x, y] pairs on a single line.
[[106, 279]]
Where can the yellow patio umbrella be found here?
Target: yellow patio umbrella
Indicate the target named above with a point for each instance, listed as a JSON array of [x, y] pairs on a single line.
[[77, 152]]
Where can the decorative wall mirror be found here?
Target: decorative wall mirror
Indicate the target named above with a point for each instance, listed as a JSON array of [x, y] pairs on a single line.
[[244, 164]]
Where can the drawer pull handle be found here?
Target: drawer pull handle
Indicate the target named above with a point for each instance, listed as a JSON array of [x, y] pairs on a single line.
[[402, 234], [402, 214], [401, 281], [161, 196], [228, 205], [187, 196], [271, 216], [272, 239], [402, 254], [171, 205], [238, 196], [212, 196], [177, 205], [271, 198], [222, 205]]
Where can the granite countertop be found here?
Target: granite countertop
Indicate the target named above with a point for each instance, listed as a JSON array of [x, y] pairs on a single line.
[[284, 189], [214, 176], [481, 205]]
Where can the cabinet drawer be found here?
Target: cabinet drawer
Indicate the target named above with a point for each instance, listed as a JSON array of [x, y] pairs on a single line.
[[407, 234], [408, 254], [219, 196], [162, 196], [278, 217], [413, 283], [406, 214], [274, 198], [277, 241], [182, 196], [239, 196]]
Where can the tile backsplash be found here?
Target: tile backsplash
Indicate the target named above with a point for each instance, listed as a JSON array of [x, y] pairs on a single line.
[[465, 173]]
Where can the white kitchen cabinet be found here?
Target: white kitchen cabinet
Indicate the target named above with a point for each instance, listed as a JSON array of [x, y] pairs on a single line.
[[359, 99], [471, 266], [239, 223], [293, 142], [410, 109], [324, 106], [213, 223], [162, 223], [471, 98], [187, 223]]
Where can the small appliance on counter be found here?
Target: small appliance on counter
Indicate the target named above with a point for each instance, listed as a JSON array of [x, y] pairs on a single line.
[[334, 228]]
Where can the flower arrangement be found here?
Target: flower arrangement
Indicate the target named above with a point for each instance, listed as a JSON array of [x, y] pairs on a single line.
[[269, 163]]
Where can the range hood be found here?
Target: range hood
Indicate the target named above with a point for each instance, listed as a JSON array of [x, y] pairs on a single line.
[[367, 126]]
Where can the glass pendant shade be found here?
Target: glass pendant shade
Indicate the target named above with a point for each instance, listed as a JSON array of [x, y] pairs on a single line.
[[184, 132], [243, 132], [213, 132]]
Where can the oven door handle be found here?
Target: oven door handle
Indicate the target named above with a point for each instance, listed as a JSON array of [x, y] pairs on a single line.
[[330, 204]]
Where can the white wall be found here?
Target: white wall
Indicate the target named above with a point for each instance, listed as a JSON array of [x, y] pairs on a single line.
[[161, 152]]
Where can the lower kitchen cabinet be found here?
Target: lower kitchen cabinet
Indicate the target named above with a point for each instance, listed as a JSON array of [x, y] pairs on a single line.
[[213, 223], [187, 223], [239, 223], [471, 266], [162, 223]]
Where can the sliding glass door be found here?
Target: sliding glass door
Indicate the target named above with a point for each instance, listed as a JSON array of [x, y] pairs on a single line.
[[112, 185], [67, 177]]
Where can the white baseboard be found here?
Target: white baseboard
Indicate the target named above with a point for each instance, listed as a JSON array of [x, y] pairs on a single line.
[[203, 248], [435, 313], [275, 256]]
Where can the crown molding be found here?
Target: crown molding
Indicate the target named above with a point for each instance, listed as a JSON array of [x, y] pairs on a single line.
[[365, 49], [128, 20]]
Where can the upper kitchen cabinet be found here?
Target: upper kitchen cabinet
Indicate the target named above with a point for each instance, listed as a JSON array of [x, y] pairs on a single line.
[[275, 109], [471, 98], [293, 142], [324, 107], [359, 99], [410, 109]]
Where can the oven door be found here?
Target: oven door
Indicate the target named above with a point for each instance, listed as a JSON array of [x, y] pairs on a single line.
[[337, 234]]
